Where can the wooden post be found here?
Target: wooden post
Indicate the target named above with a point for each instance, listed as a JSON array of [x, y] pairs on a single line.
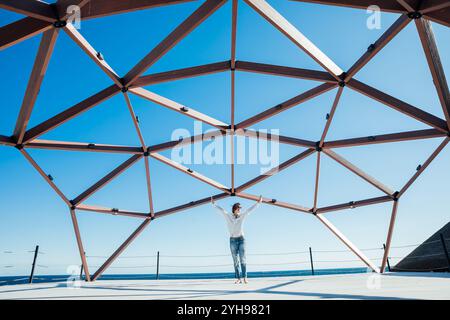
[[36, 251], [387, 259], [445, 250], [311, 260], [157, 266]]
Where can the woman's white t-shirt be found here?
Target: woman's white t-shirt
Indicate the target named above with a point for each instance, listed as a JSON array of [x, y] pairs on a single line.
[[235, 224]]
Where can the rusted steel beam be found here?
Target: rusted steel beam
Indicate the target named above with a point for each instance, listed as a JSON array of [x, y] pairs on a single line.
[[222, 133], [70, 113], [233, 123], [376, 47], [406, 5], [7, 141], [82, 146], [189, 205], [422, 167], [436, 10], [234, 14], [283, 71], [316, 182], [388, 6], [34, 83], [21, 30], [188, 171], [429, 6], [102, 8], [354, 204], [95, 56], [441, 16], [119, 250], [274, 202], [348, 243], [153, 97], [149, 186], [32, 8], [144, 147], [189, 140], [135, 120], [181, 74], [350, 166], [62, 7], [106, 179], [80, 244], [434, 62], [112, 211], [284, 26], [389, 236], [385, 138], [271, 172], [270, 136], [146, 154], [330, 116], [196, 18], [399, 105], [305, 96], [46, 177]]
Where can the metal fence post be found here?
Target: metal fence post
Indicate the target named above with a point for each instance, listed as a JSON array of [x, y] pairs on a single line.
[[445, 250], [81, 270], [387, 260], [157, 266], [36, 251], [311, 260]]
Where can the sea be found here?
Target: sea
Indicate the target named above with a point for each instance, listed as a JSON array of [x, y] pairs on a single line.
[[14, 280]]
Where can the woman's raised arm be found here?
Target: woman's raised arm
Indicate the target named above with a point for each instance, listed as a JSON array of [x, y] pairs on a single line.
[[253, 207], [219, 208]]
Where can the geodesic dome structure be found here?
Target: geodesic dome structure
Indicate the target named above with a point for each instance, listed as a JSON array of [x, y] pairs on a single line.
[[50, 19]]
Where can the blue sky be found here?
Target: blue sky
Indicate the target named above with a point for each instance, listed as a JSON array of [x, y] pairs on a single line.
[[31, 213]]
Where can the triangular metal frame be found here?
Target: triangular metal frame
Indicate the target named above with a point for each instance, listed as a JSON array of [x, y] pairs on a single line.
[[48, 19]]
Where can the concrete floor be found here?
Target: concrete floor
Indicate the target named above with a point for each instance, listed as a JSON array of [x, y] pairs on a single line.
[[356, 286]]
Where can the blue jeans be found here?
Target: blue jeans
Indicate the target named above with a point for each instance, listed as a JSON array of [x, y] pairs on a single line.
[[237, 247]]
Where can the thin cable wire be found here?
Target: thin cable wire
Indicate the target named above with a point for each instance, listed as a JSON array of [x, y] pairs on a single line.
[[252, 254]]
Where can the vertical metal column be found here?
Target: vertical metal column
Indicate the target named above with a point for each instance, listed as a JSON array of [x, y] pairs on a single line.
[[311, 260], [36, 251], [387, 259], [157, 266]]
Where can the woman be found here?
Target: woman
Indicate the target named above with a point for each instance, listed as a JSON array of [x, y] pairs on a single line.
[[237, 242]]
